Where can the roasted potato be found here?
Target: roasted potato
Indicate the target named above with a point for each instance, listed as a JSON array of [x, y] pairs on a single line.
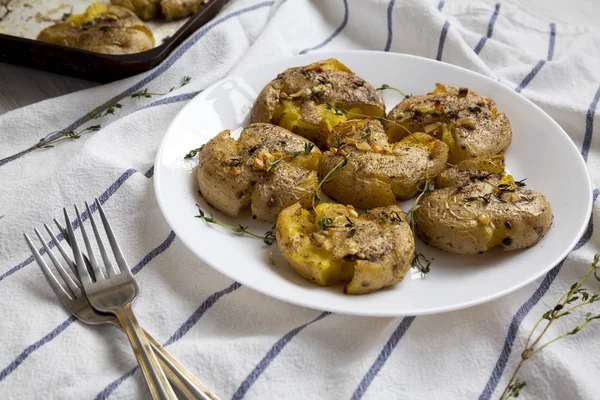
[[468, 123], [476, 206], [151, 9], [297, 100], [377, 173], [268, 169], [102, 29], [145, 9], [177, 9], [332, 244]]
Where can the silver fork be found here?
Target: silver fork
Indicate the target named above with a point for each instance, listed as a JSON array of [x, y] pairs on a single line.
[[70, 294]]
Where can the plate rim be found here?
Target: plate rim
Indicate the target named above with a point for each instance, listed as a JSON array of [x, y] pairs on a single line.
[[359, 312]]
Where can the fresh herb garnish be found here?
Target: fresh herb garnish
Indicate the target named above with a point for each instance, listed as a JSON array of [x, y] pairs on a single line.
[[486, 199], [325, 223], [269, 237], [99, 112], [328, 178], [422, 263], [106, 28], [192, 153], [575, 298], [474, 109], [366, 135], [66, 16], [521, 183], [386, 87], [308, 147], [411, 215], [64, 135]]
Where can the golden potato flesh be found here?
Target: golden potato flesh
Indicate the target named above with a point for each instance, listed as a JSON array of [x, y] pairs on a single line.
[[377, 173], [109, 30], [468, 123], [297, 99], [332, 244], [145, 9], [268, 169], [475, 208]]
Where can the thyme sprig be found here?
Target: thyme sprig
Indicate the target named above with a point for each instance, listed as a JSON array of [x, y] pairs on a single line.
[[52, 138], [339, 110], [308, 147], [46, 142], [575, 298], [411, 215], [497, 192], [386, 87], [326, 179], [419, 261], [269, 237]]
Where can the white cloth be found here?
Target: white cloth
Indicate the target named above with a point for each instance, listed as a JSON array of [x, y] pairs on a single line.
[[239, 342]]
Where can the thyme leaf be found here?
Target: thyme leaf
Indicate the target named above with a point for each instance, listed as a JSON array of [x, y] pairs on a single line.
[[192, 153]]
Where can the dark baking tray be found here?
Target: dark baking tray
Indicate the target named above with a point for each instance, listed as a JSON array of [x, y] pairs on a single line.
[[96, 66]]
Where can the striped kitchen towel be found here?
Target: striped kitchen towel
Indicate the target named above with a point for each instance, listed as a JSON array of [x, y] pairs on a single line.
[[241, 343]]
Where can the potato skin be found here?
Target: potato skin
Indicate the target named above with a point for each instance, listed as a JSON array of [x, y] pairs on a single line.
[[234, 175], [145, 9], [378, 173], [457, 218], [177, 9], [296, 99], [109, 30], [368, 252], [467, 122]]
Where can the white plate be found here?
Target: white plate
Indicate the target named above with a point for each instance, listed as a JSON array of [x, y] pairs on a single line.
[[541, 152]]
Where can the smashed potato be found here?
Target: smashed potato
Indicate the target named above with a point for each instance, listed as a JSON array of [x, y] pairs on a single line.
[[151, 9], [468, 123], [145, 9], [297, 99], [335, 245], [377, 173], [102, 29], [268, 169], [476, 207]]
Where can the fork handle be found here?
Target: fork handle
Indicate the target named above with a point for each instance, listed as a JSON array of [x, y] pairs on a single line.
[[179, 376], [153, 373]]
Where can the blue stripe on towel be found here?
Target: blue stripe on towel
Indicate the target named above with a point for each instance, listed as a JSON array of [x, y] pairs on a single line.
[[552, 40], [441, 5], [390, 32], [183, 329], [387, 350], [334, 34], [60, 328], [589, 126], [490, 30], [530, 76], [540, 63], [176, 55], [270, 356], [442, 41]]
